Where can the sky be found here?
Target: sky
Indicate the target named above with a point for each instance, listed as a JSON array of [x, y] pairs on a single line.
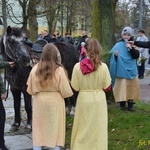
[[123, 0]]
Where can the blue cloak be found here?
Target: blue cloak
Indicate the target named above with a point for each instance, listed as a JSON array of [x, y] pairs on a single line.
[[122, 66]]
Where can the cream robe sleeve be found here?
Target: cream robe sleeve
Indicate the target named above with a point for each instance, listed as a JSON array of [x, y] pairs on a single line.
[[64, 86], [30, 81], [74, 79], [107, 78]]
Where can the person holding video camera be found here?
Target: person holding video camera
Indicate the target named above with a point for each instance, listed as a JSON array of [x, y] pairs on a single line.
[[140, 43]]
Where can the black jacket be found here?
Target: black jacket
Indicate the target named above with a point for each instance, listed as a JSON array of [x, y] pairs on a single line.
[[60, 39], [142, 44], [47, 38], [53, 40], [68, 40]]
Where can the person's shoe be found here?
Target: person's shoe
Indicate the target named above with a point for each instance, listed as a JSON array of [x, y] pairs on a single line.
[[122, 105], [141, 77], [130, 105], [14, 127], [4, 148]]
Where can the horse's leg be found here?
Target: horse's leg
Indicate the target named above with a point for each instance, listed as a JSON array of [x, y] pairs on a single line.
[[28, 108], [72, 100], [17, 103], [72, 103], [67, 105]]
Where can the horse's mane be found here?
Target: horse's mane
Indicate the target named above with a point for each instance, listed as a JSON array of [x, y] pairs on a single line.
[[17, 32]]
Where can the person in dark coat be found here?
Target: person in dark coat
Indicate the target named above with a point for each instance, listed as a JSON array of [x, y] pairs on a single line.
[[141, 43], [59, 38], [46, 36], [53, 38], [68, 38], [76, 44], [83, 39], [3, 96]]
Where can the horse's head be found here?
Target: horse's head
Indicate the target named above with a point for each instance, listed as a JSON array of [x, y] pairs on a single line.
[[14, 46]]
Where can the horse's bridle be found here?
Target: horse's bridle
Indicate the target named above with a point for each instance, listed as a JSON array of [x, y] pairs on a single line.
[[15, 59], [31, 54]]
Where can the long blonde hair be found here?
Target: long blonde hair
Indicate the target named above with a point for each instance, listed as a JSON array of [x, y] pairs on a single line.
[[93, 50], [48, 63]]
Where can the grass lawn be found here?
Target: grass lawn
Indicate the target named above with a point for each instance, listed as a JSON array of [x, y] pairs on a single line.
[[126, 130]]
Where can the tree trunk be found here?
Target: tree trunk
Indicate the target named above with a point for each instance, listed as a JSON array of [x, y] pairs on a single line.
[[33, 24], [23, 5], [103, 23], [61, 18], [4, 14]]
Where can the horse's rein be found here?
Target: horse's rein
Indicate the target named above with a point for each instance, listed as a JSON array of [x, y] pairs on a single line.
[[5, 80], [32, 56], [16, 59]]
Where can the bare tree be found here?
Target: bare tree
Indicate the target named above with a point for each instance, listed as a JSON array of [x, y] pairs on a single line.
[[4, 13], [24, 5], [49, 9], [33, 24], [122, 18], [135, 13], [8, 12]]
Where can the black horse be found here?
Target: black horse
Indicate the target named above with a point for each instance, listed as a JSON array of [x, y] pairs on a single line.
[[15, 48]]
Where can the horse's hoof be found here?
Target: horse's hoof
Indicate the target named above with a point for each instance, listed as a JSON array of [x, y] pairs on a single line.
[[72, 113], [67, 110], [28, 126], [28, 129], [14, 127]]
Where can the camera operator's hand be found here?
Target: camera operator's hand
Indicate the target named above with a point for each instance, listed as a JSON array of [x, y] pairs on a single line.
[[3, 96], [131, 42], [11, 64], [128, 45]]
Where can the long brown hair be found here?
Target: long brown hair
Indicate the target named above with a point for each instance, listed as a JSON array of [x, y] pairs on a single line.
[[48, 63], [93, 50]]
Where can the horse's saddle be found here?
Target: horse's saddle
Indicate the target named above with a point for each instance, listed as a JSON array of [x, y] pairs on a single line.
[[38, 45], [37, 49]]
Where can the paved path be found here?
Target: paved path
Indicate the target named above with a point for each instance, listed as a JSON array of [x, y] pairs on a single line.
[[21, 141], [145, 84], [145, 89]]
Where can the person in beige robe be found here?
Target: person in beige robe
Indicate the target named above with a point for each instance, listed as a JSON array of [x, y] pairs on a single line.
[[91, 78], [49, 85]]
